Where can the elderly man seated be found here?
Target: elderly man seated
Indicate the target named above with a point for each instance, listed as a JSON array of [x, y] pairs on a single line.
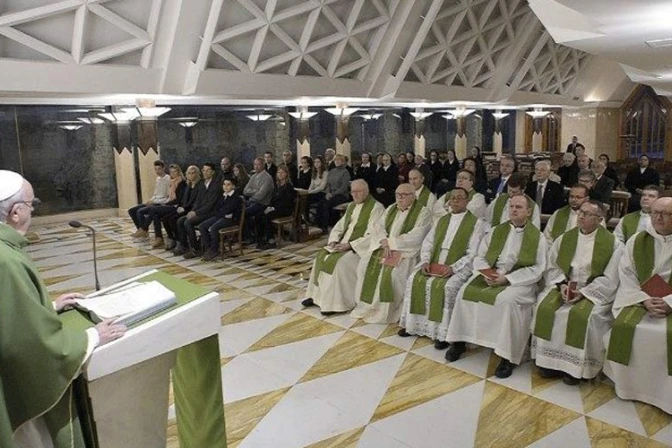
[[574, 310], [422, 192], [445, 264], [569, 170], [331, 285], [476, 205], [494, 308], [396, 238], [498, 210], [639, 357]]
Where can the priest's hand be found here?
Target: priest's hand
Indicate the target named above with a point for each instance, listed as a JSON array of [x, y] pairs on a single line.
[[425, 268], [497, 280], [657, 307], [343, 247], [66, 301], [577, 296], [385, 245], [108, 331]]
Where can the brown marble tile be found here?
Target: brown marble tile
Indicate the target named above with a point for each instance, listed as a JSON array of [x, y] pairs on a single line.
[[390, 330], [540, 384], [82, 290], [492, 364], [225, 361], [348, 439], [50, 281], [256, 308], [514, 419], [653, 418], [418, 381], [594, 394], [350, 351], [171, 435], [299, 327], [604, 435], [128, 252], [243, 415], [139, 262], [421, 342]]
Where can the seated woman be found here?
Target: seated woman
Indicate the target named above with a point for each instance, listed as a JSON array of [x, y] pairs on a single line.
[[386, 181], [305, 174], [318, 181], [241, 176], [194, 187], [282, 204], [175, 193]]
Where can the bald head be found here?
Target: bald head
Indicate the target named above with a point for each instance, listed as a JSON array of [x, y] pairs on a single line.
[[661, 216]]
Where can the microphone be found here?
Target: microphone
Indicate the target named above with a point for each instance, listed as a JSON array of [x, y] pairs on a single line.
[[77, 225]]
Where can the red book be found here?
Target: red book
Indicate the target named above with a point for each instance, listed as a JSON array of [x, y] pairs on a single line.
[[490, 273], [393, 260], [438, 270], [657, 287]]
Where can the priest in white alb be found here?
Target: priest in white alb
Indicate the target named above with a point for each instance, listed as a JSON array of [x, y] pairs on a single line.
[[396, 238], [494, 308], [498, 210], [450, 245], [465, 179], [422, 193], [574, 309], [566, 218], [639, 353], [638, 220], [332, 279]]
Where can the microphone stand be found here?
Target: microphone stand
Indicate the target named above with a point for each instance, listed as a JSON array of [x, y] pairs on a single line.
[[77, 225]]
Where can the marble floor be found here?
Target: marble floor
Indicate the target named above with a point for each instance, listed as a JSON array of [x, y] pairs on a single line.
[[293, 378]]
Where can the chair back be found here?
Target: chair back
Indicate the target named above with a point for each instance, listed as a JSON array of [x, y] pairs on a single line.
[[241, 224], [618, 204]]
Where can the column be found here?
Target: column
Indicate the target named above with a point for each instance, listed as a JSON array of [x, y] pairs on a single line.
[[343, 136], [148, 153], [124, 166], [419, 140], [461, 138]]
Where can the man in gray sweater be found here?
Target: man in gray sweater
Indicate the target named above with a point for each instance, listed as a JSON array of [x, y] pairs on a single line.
[[258, 193], [337, 192]]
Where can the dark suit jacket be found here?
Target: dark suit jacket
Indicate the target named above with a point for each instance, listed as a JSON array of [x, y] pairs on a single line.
[[272, 170], [368, 174], [569, 175], [554, 196], [602, 190], [387, 180], [293, 172], [191, 196], [206, 204], [232, 205], [636, 179], [493, 185], [283, 200], [427, 172]]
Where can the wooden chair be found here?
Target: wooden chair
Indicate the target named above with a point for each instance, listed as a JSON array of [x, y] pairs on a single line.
[[293, 220], [618, 206], [341, 208], [229, 233]]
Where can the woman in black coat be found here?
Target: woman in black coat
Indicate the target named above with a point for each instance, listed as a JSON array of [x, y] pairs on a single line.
[[448, 174], [282, 204], [386, 181], [305, 174], [435, 167], [366, 170], [609, 171]]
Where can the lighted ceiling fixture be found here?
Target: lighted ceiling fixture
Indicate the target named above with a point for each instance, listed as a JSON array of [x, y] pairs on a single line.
[[397, 116], [449, 116], [343, 112], [128, 114], [302, 116], [92, 120], [71, 127], [499, 115], [371, 116], [461, 112], [538, 113], [659, 43], [259, 117], [147, 112], [420, 115], [188, 124]]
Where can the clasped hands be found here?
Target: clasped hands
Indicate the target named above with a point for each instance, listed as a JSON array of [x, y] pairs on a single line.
[[497, 280], [449, 271], [564, 289], [657, 307], [340, 247]]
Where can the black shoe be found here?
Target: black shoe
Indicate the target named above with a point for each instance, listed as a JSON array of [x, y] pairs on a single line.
[[455, 351], [189, 255], [549, 373], [504, 369], [271, 245], [403, 333], [262, 246], [308, 302], [570, 380], [210, 255], [441, 345], [179, 250]]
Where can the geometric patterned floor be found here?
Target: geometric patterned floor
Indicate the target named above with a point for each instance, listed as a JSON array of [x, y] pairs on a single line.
[[293, 378]]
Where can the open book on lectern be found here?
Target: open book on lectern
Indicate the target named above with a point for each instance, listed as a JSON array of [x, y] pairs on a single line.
[[129, 304]]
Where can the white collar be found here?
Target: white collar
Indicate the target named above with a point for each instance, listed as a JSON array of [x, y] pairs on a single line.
[[365, 165]]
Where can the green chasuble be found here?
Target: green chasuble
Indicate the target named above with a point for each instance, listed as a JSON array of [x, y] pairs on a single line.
[[630, 224], [478, 290], [458, 248], [560, 222], [39, 358], [579, 315], [424, 196], [375, 269], [325, 260], [500, 203], [623, 331]]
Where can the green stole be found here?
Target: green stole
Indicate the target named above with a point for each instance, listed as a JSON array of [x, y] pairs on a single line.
[[326, 261], [458, 248], [375, 268], [623, 331], [500, 203], [577, 323], [630, 223], [560, 222], [424, 196], [478, 290]]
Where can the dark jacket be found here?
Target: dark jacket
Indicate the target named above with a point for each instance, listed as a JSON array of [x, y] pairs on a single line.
[[636, 179], [613, 175], [303, 179], [231, 205], [569, 175], [224, 175], [602, 190], [293, 172], [387, 180], [283, 199], [272, 170], [493, 186], [206, 204], [449, 171], [554, 196], [435, 168], [179, 193], [368, 174], [191, 195], [427, 172]]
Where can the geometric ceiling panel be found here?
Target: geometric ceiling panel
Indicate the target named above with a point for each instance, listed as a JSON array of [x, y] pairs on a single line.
[[326, 38], [80, 31]]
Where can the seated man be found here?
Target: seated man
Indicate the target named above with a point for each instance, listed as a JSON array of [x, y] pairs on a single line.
[[603, 186], [639, 357], [227, 214], [395, 238], [336, 192], [497, 186], [498, 210], [429, 299], [257, 193], [574, 310], [161, 192], [422, 192], [476, 204], [639, 220], [548, 195], [569, 170], [494, 308], [566, 218], [331, 285]]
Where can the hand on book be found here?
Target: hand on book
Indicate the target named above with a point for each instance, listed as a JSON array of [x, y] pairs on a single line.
[[570, 293], [496, 280], [66, 301], [657, 307], [108, 331]]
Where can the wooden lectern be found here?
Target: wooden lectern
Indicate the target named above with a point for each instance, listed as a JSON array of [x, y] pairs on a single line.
[[129, 379]]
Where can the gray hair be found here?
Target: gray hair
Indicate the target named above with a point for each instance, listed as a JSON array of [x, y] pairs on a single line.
[[7, 204], [587, 173], [361, 182], [543, 162]]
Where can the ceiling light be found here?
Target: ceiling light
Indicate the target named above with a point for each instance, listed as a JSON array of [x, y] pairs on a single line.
[[128, 114], [659, 43], [461, 112], [92, 120], [343, 112], [538, 113], [448, 117], [259, 117], [421, 115], [188, 124], [499, 115], [149, 112], [71, 127], [371, 116], [397, 116], [302, 115]]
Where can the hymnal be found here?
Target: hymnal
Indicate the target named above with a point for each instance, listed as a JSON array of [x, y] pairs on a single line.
[[657, 287], [489, 273], [438, 270], [393, 260]]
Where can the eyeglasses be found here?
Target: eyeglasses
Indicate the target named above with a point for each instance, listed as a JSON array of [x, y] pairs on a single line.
[[403, 195], [585, 213], [661, 215], [32, 204]]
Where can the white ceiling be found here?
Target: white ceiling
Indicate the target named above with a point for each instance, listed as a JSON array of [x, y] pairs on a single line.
[[291, 52]]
